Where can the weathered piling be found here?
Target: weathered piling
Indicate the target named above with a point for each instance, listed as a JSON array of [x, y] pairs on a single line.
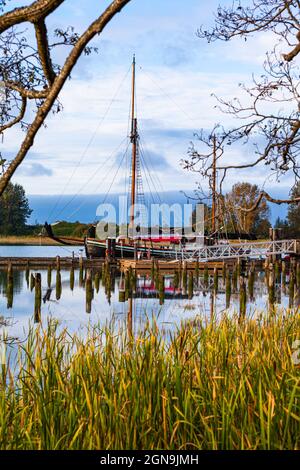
[[32, 281], [176, 280], [72, 278], [283, 273], [80, 271], [49, 275], [271, 289], [238, 268], [243, 297], [127, 285], [27, 273], [89, 291], [298, 275], [224, 272], [10, 286], [58, 263], [197, 272], [216, 280], [153, 270], [205, 277], [58, 287], [228, 289], [251, 279], [234, 278], [184, 278], [97, 281], [37, 298], [291, 289], [162, 290], [191, 286], [277, 271]]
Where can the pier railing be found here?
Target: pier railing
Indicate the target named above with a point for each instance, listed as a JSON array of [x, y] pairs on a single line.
[[241, 250]]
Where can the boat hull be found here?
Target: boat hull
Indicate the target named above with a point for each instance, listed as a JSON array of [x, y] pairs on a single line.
[[97, 249]]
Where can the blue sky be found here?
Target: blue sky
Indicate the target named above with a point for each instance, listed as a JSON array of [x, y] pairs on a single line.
[[176, 75]]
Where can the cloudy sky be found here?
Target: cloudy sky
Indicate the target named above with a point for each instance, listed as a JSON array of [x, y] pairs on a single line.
[[83, 146]]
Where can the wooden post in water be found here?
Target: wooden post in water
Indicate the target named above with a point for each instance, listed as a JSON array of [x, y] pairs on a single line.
[[58, 263], [243, 297], [234, 278], [197, 272], [32, 281], [224, 272], [298, 275], [162, 290], [176, 280], [291, 288], [80, 271], [216, 280], [191, 285], [37, 298], [72, 278], [10, 286], [205, 276], [184, 278], [283, 273], [129, 318], [271, 290], [58, 287], [49, 275], [97, 281], [228, 289], [27, 272], [89, 291], [251, 278]]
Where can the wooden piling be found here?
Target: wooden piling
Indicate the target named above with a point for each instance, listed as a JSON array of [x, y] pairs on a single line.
[[58, 287], [37, 298], [49, 275], [89, 291]]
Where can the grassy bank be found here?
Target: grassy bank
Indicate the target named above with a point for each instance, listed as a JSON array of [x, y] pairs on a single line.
[[26, 240], [225, 385]]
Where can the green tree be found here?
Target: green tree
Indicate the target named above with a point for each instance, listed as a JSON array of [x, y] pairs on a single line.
[[14, 210], [293, 216]]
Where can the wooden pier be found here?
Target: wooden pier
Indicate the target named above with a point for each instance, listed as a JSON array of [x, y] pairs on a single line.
[[166, 266], [40, 263]]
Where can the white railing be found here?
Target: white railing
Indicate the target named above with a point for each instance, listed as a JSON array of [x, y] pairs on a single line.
[[240, 250]]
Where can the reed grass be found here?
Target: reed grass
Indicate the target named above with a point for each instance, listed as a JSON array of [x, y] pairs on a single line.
[[211, 384]]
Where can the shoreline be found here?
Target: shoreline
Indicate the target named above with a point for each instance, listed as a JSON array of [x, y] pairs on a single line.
[[28, 241]]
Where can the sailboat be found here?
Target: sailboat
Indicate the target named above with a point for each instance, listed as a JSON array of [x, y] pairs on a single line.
[[159, 245]]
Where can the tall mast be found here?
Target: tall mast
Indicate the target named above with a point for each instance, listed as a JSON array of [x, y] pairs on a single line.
[[133, 137], [214, 184]]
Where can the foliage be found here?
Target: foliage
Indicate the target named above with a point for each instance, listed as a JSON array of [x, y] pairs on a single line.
[[70, 229], [14, 210], [293, 216], [224, 384]]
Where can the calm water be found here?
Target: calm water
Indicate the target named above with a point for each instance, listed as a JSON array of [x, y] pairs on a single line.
[[39, 251], [70, 308]]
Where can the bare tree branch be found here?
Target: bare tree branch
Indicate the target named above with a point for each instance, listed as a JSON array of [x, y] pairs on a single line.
[[30, 93], [43, 50], [264, 195], [36, 11], [18, 118], [95, 28]]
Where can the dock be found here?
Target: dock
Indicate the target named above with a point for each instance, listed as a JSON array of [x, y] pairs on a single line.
[[40, 263], [168, 267]]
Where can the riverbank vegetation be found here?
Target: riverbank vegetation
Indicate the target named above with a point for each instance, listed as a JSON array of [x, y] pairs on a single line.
[[230, 383]]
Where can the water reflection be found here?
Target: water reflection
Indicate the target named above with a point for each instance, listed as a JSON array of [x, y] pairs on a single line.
[[77, 297]]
